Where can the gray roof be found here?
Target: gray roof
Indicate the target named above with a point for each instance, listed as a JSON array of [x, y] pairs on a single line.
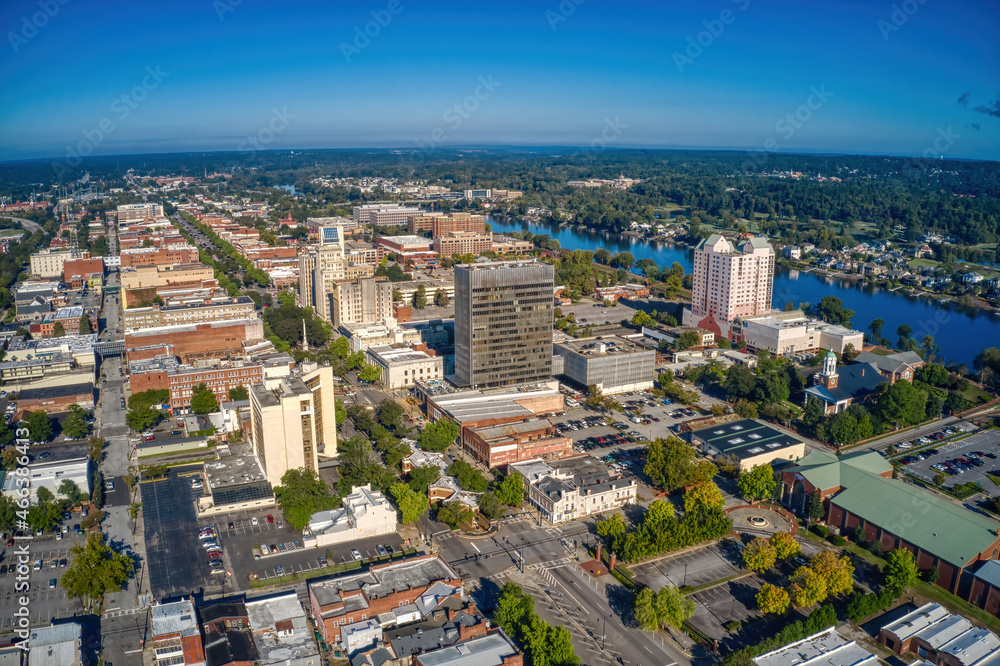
[[745, 438], [891, 363], [948, 634], [853, 382], [827, 648], [381, 581], [989, 573], [489, 650]]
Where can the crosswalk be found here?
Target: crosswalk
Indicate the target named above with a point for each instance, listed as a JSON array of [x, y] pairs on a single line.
[[123, 612]]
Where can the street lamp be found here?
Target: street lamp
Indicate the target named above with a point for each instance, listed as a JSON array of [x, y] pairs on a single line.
[[685, 574]]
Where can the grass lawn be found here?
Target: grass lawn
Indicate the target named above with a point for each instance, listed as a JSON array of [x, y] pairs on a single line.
[[922, 588], [976, 395], [957, 605], [924, 262]]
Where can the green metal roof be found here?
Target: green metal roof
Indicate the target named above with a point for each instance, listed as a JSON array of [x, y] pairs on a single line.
[[951, 532], [825, 470]]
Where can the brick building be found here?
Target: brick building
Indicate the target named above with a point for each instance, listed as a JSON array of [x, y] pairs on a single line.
[[175, 634], [156, 256], [79, 271], [858, 489], [443, 224], [164, 372], [385, 588], [201, 311], [192, 341], [498, 445], [463, 242]]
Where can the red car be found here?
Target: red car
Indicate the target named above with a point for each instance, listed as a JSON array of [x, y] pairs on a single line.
[[270, 518]]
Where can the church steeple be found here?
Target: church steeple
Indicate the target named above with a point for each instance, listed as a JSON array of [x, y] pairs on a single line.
[[829, 375]]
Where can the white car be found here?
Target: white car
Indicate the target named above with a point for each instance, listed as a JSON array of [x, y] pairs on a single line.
[[904, 446], [254, 521]]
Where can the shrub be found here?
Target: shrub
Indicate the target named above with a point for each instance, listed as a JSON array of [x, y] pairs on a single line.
[[821, 530], [837, 540]]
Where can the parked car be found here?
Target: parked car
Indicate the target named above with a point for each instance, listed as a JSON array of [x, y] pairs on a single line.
[[356, 555]]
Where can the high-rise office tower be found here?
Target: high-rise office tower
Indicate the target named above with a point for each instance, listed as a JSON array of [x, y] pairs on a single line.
[[293, 421], [503, 323]]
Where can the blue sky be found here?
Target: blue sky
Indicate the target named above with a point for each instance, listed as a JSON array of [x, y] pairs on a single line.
[[849, 76]]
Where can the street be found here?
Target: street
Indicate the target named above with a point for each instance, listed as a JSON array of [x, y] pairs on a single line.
[[565, 595]]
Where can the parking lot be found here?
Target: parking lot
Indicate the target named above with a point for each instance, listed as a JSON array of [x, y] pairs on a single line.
[[177, 563], [716, 607], [983, 446], [693, 568], [47, 603]]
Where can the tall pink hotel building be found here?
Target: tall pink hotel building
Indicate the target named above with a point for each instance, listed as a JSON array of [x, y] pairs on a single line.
[[730, 281]]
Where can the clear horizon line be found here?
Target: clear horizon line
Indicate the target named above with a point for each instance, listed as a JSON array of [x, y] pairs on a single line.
[[498, 146]]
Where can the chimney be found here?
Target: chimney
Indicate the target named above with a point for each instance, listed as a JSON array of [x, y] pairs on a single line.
[[600, 548], [611, 564]]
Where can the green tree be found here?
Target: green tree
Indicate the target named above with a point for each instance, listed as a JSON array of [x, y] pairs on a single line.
[[420, 297], [97, 494], [905, 332], [740, 382], [96, 570], [667, 607], [339, 412], [510, 491], [410, 504], [439, 435], [10, 458], [641, 319], [900, 403], [831, 309], [623, 260], [687, 340], [813, 413], [370, 373], [39, 426], [301, 494], [44, 495], [671, 464], [757, 483], [468, 477], [203, 400], [900, 570], [389, 412], [513, 609], [75, 425], [876, 330], [142, 418], [58, 330], [71, 491], [850, 353], [239, 393], [85, 328], [816, 510], [422, 477], [703, 498], [441, 298], [490, 506]]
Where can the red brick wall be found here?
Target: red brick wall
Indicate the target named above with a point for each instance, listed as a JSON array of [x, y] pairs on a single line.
[[82, 267], [163, 256]]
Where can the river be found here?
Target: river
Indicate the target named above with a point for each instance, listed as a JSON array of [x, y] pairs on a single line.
[[960, 331]]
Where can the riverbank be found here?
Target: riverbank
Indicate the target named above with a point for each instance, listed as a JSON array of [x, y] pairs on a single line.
[[960, 331]]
